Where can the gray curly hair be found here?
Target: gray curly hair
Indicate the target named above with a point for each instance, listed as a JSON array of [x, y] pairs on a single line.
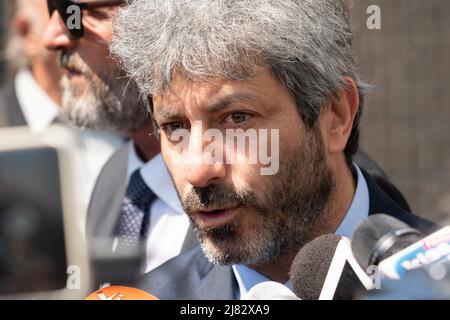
[[306, 43]]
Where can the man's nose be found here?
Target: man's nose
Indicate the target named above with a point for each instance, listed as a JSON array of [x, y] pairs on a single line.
[[202, 175], [56, 35], [200, 171]]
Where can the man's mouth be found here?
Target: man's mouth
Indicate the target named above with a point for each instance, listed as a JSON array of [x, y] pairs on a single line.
[[72, 72], [216, 217]]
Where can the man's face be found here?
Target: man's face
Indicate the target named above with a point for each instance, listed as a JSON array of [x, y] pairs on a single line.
[[240, 215], [34, 45], [97, 94]]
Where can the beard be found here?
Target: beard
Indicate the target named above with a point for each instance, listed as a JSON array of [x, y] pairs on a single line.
[[107, 101], [292, 212]]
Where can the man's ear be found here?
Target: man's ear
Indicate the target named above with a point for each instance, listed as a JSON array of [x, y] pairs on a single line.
[[342, 109], [23, 28], [21, 25]]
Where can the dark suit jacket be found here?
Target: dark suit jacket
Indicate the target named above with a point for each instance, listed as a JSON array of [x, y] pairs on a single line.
[[379, 176], [10, 111], [191, 276]]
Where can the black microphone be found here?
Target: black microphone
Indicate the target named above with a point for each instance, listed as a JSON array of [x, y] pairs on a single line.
[[380, 236], [325, 269]]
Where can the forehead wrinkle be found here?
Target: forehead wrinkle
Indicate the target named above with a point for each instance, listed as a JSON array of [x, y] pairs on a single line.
[[223, 102], [208, 99], [166, 114], [218, 105]]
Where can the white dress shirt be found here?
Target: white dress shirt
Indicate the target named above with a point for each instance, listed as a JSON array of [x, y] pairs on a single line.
[[88, 148], [38, 108], [168, 222], [356, 214]]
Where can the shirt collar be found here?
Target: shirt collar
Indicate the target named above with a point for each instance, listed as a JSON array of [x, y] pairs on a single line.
[[134, 161], [247, 278], [38, 108], [157, 178], [359, 208]]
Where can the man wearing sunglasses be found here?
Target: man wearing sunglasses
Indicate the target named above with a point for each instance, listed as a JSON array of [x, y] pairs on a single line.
[[68, 9], [134, 188], [32, 98]]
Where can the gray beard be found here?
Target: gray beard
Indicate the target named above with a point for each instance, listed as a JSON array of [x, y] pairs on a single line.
[[104, 102]]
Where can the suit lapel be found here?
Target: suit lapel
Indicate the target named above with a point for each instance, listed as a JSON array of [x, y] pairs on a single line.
[[12, 112], [216, 282], [380, 202], [108, 197], [191, 239]]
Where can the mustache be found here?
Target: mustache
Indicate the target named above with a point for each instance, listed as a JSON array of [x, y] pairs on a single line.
[[216, 196], [72, 62]]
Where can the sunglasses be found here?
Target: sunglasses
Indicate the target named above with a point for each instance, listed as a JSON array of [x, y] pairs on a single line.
[[66, 10]]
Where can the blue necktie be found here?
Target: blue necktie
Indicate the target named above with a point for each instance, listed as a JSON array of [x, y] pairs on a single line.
[[134, 214]]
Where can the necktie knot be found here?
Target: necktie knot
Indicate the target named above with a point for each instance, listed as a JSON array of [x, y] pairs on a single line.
[[137, 191]]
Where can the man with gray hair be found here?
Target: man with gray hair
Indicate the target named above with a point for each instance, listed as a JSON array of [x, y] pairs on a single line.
[[261, 65]]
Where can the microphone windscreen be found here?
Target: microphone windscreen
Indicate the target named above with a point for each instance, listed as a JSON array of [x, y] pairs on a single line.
[[374, 228], [270, 290], [311, 266], [120, 293]]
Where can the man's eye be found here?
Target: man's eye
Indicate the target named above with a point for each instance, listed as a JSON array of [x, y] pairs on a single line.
[[170, 128], [100, 14], [238, 117]]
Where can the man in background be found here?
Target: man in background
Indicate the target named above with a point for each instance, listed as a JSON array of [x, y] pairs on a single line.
[[36, 71], [134, 188], [33, 98]]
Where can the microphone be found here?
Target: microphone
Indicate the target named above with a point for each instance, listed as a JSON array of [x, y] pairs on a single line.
[[120, 293], [420, 271], [270, 290], [379, 237], [431, 253], [417, 284], [325, 269], [411, 267]]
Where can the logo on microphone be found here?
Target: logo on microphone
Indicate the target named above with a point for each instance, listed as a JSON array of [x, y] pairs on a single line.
[[116, 296], [432, 253], [116, 293]]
